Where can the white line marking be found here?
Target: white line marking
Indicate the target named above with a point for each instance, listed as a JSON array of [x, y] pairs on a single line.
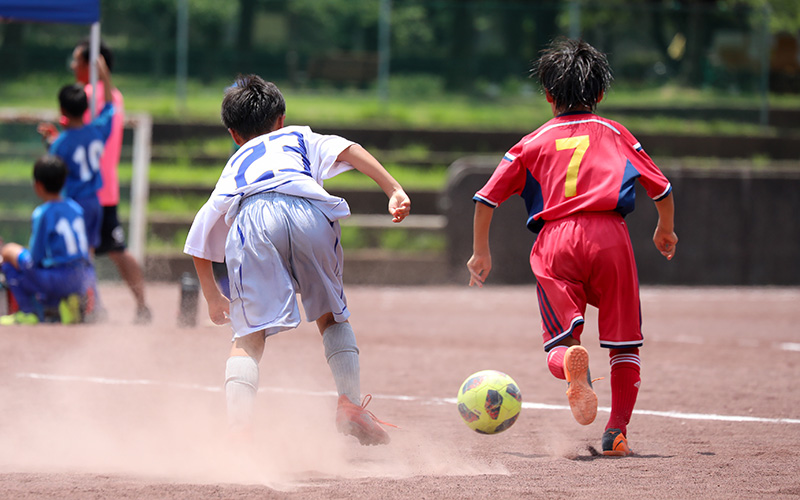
[[396, 397], [790, 346], [115, 381]]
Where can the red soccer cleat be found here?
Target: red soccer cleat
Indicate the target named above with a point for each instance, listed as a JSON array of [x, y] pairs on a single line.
[[354, 420]]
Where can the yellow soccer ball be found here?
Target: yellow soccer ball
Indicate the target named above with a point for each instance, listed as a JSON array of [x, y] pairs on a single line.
[[489, 401]]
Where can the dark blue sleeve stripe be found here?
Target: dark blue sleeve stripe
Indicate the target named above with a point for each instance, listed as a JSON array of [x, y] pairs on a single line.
[[664, 195], [484, 201]]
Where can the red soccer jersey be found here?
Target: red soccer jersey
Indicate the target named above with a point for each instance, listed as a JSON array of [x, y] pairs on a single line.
[[576, 162]]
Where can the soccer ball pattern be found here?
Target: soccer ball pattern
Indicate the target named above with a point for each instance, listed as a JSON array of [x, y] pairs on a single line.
[[489, 401]]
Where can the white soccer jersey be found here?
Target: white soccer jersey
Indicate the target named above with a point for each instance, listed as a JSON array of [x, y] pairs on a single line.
[[293, 160]]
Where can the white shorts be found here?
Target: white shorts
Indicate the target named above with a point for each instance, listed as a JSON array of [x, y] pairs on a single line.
[[278, 246]]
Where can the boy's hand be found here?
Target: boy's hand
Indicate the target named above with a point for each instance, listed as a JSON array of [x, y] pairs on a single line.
[[665, 242], [48, 131], [479, 267], [399, 205], [219, 309]]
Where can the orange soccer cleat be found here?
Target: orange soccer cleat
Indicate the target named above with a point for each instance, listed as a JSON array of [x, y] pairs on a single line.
[[580, 394], [615, 444]]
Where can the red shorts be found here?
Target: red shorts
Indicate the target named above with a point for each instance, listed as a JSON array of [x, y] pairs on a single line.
[[582, 259]]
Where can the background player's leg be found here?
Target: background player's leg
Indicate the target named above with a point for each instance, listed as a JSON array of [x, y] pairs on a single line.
[[131, 273], [341, 351], [625, 381], [241, 381]]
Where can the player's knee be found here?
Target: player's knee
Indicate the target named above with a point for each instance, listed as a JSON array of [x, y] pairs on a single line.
[[324, 322], [11, 251], [251, 345]]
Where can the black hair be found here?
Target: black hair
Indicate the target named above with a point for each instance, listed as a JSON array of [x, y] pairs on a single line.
[[251, 106], [105, 51], [51, 172], [574, 73], [73, 101]]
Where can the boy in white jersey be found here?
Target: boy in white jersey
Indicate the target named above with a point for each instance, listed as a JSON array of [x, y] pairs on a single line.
[[271, 220]]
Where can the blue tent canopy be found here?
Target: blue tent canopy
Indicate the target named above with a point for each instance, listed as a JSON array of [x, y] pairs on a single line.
[[60, 11], [51, 11]]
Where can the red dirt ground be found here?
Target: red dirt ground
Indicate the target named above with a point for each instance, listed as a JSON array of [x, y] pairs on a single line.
[[120, 411]]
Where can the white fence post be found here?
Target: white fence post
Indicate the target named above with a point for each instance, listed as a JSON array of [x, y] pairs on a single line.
[[140, 185]]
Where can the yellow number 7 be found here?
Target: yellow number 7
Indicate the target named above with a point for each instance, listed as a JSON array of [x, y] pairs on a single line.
[[580, 144]]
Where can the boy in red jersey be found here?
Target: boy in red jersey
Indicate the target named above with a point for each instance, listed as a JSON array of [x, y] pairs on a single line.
[[576, 174]]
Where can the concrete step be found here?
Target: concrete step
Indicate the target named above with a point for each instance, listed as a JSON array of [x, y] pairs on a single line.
[[362, 267]]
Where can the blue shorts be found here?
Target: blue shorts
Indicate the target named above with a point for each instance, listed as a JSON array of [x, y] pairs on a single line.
[[44, 285], [92, 218]]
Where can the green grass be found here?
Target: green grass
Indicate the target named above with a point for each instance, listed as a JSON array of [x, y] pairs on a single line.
[[508, 107], [180, 173]]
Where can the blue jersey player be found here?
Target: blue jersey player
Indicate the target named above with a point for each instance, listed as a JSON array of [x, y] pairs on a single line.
[[52, 273], [81, 146], [277, 228]]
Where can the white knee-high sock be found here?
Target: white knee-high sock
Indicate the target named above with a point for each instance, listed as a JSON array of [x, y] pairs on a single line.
[[241, 386], [341, 352]]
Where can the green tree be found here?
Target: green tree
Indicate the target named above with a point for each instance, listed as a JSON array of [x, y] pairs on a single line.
[[784, 15]]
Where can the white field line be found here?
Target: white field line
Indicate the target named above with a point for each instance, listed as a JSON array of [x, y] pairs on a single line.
[[417, 399], [790, 346]]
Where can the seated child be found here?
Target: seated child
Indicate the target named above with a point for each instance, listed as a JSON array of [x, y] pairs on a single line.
[[53, 272]]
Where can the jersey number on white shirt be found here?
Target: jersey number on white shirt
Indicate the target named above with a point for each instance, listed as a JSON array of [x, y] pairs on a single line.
[[255, 152]]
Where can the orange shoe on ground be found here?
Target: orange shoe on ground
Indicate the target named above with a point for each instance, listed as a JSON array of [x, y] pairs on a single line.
[[354, 420], [581, 396], [615, 444]]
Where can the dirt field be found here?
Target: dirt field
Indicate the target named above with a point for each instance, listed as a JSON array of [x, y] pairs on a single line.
[[119, 411]]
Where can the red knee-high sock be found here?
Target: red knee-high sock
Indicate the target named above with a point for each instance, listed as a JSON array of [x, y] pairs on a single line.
[[625, 380], [555, 361]]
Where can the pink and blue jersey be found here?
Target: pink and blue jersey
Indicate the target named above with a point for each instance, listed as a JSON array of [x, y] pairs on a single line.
[[81, 149], [576, 162], [109, 193]]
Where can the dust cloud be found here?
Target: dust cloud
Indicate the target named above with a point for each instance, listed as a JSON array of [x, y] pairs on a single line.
[[123, 401]]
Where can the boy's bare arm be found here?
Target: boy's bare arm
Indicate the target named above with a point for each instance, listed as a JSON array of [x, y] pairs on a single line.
[[364, 162], [480, 263], [218, 304], [105, 76], [665, 238]]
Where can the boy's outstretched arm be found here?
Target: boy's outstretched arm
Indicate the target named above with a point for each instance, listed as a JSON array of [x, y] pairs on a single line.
[[364, 162], [105, 76], [665, 238], [480, 263], [218, 304]]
